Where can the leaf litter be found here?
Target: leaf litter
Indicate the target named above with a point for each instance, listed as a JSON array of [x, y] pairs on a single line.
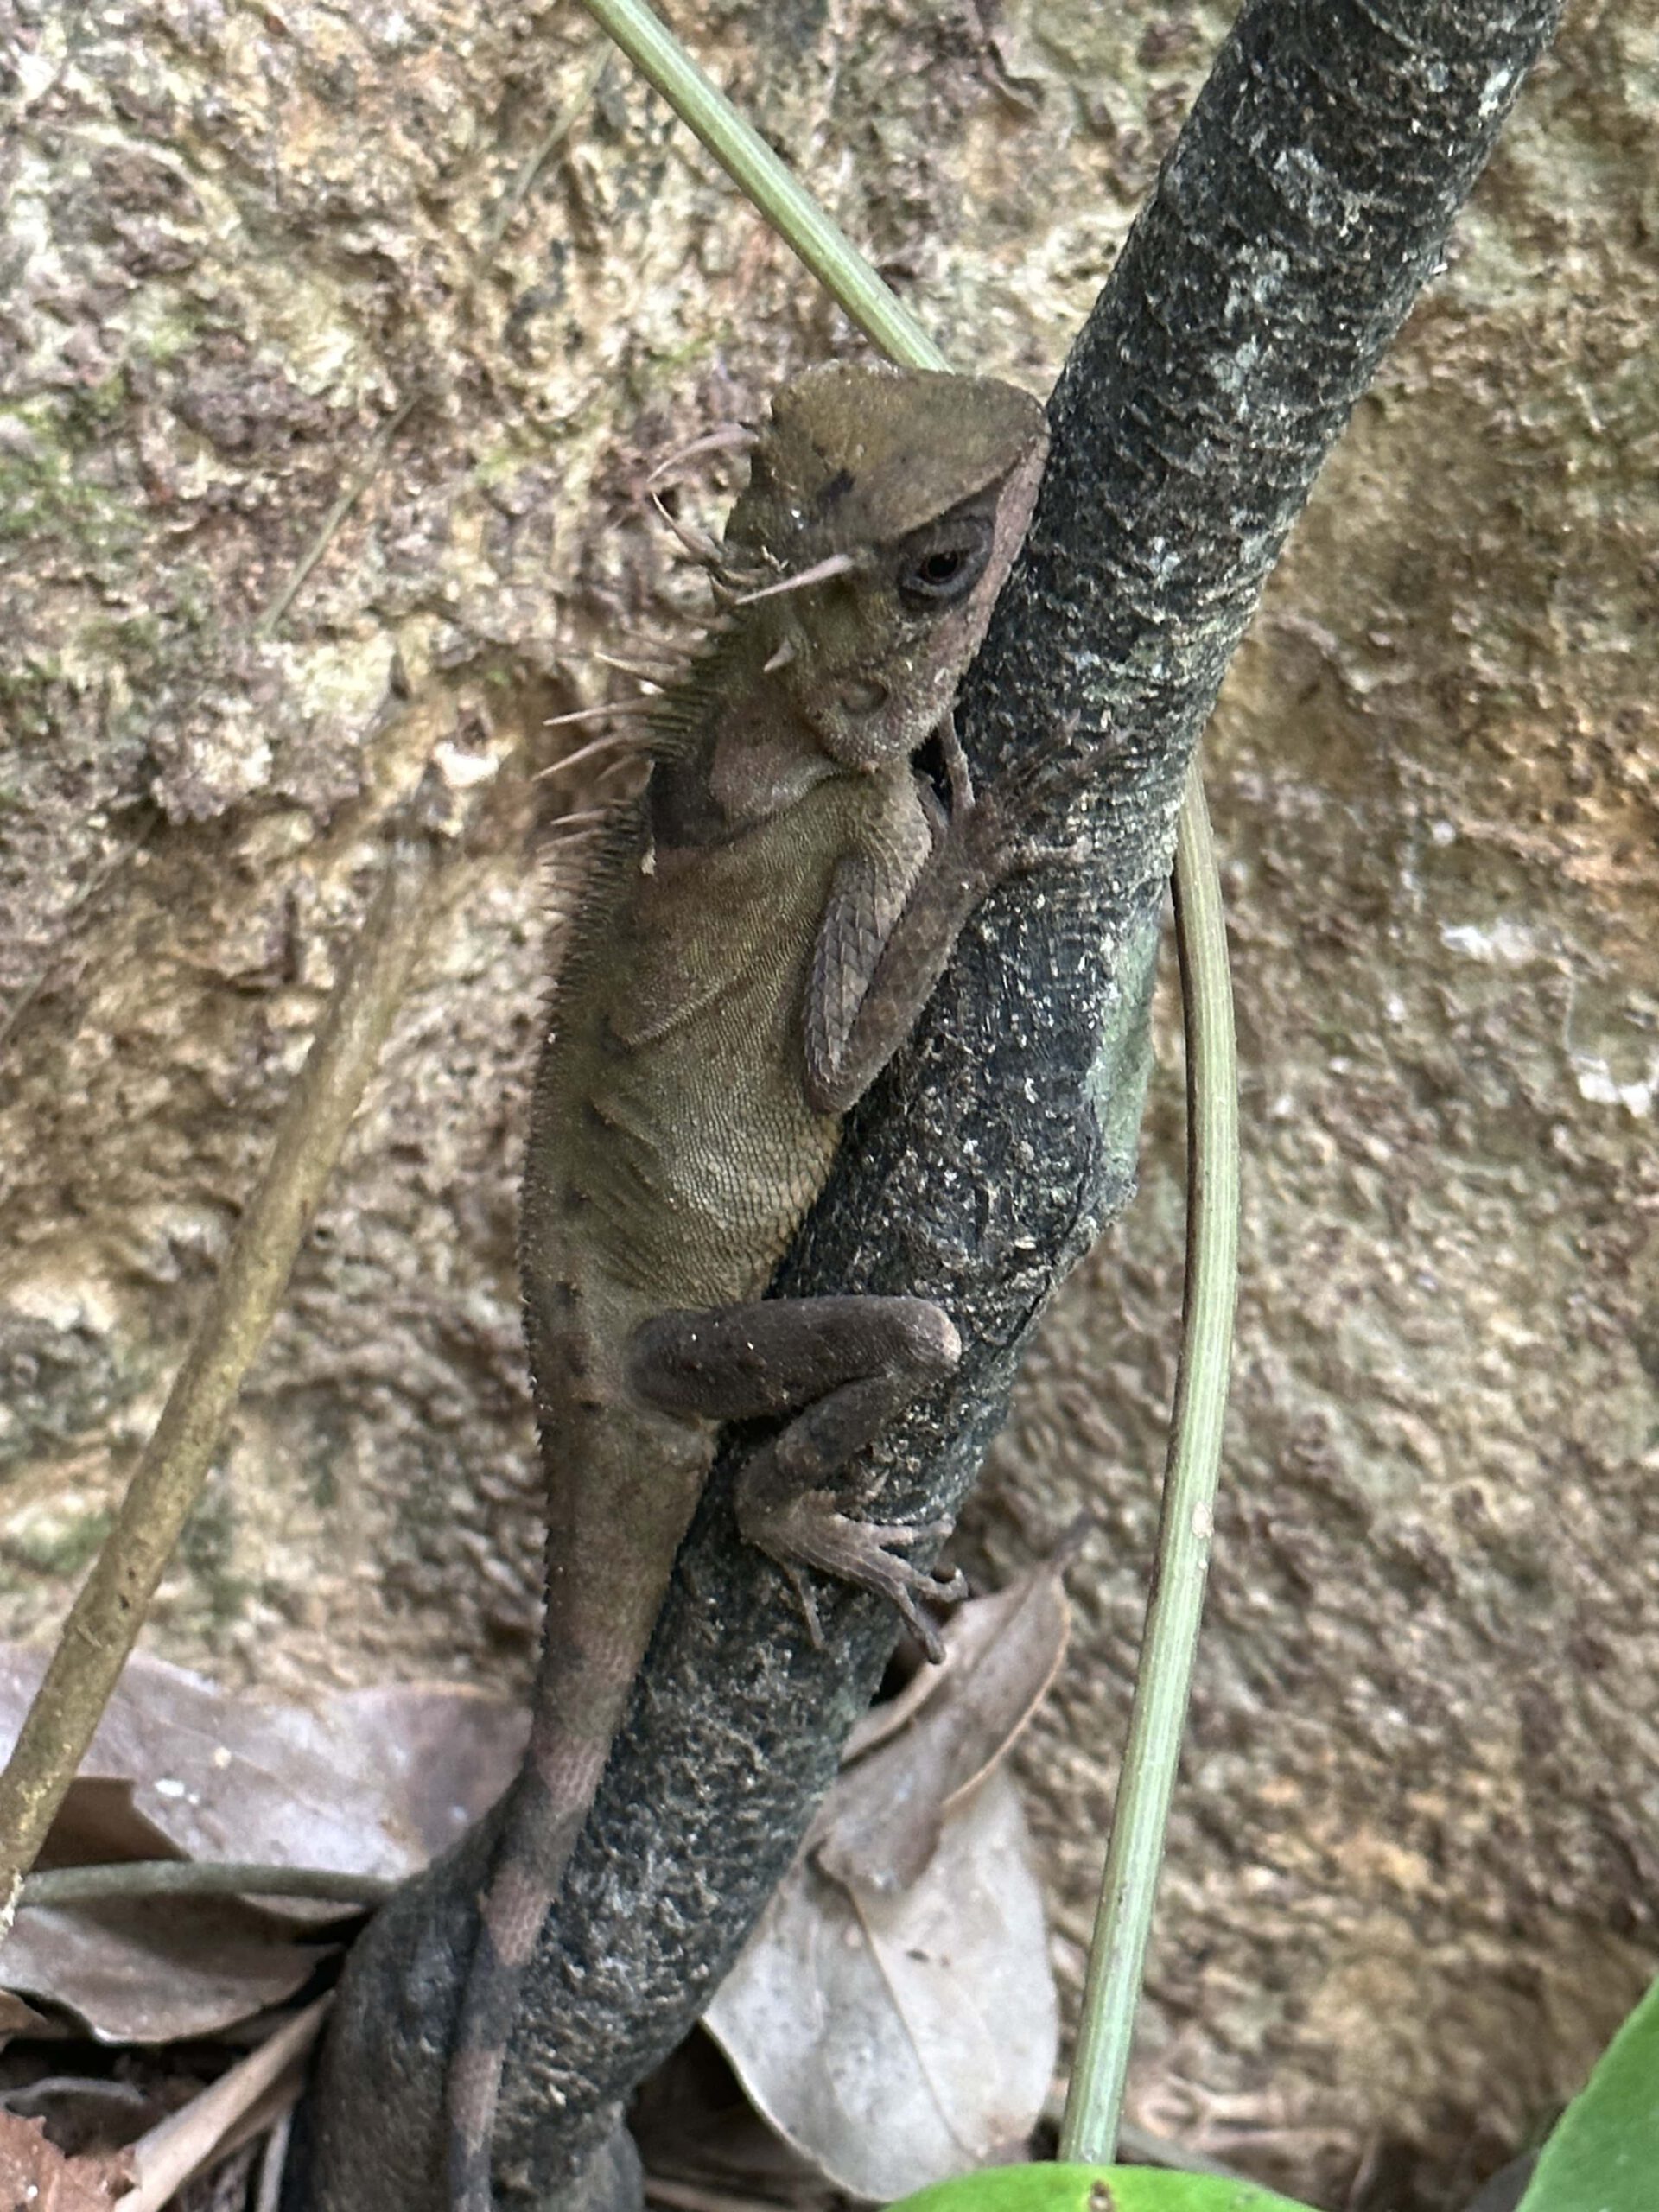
[[893, 2018], [894, 2015], [369, 1783]]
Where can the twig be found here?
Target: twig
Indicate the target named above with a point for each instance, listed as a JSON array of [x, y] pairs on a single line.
[[104, 1623], [324, 537], [269, 2195], [186, 2140], [1164, 1677], [189, 1877], [1148, 2149], [557, 130]]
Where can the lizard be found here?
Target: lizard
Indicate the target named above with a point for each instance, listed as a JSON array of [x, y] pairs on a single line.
[[755, 935]]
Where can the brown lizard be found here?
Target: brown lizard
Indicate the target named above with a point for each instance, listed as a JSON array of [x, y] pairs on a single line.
[[754, 939]]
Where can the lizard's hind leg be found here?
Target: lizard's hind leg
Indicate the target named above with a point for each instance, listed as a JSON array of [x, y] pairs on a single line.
[[843, 1368]]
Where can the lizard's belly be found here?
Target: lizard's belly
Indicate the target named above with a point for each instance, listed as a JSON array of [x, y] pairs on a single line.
[[688, 1151], [705, 1226]]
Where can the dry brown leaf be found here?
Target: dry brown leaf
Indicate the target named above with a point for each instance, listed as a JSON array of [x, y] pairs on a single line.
[[890, 1714], [894, 2014], [200, 2132], [17, 2019], [86, 2112], [179, 1767], [896, 2040], [156, 1970], [881, 1824], [36, 2173], [371, 1783]]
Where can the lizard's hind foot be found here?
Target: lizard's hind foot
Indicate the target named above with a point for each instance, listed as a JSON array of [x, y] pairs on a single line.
[[843, 1368], [811, 1532]]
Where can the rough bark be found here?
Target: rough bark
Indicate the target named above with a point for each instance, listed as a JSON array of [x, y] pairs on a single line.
[[1410, 1887]]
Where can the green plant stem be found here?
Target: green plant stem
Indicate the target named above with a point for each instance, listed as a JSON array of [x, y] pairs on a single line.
[[194, 1877], [1116, 1957], [1164, 1678], [762, 178]]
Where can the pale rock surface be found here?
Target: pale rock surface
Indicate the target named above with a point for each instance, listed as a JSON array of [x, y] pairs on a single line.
[[258, 259]]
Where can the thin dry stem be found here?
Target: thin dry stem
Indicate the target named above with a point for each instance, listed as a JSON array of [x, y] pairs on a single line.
[[197, 1878], [104, 1620], [329, 527], [269, 2195], [189, 2138]]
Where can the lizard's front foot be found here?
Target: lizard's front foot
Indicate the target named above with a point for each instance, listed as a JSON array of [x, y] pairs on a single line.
[[809, 1531], [993, 828]]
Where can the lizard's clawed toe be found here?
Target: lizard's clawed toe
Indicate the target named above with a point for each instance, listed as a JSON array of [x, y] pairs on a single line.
[[812, 1532]]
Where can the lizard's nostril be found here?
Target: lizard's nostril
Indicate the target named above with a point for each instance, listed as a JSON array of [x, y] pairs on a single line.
[[864, 696]]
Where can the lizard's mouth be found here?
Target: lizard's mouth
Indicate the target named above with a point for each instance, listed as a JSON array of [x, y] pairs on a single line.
[[862, 725], [864, 722]]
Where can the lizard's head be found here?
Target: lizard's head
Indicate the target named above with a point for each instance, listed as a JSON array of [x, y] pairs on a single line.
[[907, 492]]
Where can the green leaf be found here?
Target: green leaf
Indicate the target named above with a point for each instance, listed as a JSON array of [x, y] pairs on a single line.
[[1604, 2155], [1093, 2189]]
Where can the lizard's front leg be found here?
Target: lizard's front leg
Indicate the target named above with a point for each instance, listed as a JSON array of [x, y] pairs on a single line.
[[844, 1368], [887, 928]]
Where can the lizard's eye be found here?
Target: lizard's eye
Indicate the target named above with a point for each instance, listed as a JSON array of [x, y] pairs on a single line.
[[947, 568], [941, 569]]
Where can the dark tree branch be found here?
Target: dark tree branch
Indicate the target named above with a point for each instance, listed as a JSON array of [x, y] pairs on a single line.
[[1307, 199]]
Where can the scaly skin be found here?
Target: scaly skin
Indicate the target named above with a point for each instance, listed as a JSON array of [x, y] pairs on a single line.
[[755, 942]]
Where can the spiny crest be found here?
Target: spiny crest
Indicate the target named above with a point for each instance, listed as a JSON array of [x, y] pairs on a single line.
[[853, 457]]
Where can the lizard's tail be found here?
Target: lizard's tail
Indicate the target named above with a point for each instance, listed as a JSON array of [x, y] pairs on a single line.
[[547, 1808]]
